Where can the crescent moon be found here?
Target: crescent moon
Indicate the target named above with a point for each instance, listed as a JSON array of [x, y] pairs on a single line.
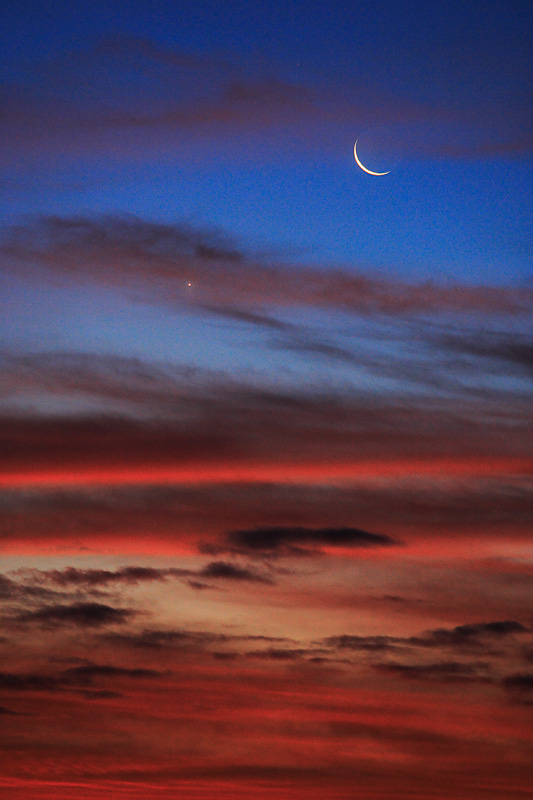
[[368, 171]]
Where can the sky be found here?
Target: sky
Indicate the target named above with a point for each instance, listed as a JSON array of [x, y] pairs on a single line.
[[265, 473]]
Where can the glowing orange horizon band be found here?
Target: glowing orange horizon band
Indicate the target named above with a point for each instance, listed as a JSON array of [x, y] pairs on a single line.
[[296, 473]]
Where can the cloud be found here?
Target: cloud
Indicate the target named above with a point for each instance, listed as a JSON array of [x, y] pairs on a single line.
[[231, 572], [298, 539], [473, 635], [442, 671], [520, 687], [149, 97], [364, 643], [129, 252], [466, 654], [481, 635], [72, 576], [157, 639], [86, 674], [82, 615], [27, 682], [507, 352], [94, 579]]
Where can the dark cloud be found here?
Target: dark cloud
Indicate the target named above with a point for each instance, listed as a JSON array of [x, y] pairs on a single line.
[[474, 635], [94, 579], [8, 712], [83, 615], [72, 576], [443, 671], [287, 654], [13, 590], [232, 572], [85, 675], [153, 638], [192, 641], [520, 687], [509, 352], [29, 682], [274, 539], [369, 643]]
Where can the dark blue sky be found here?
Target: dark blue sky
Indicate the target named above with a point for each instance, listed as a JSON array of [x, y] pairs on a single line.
[[238, 121], [101, 107]]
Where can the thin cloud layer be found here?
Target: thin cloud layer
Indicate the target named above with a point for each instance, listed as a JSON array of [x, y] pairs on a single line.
[[158, 261], [153, 94]]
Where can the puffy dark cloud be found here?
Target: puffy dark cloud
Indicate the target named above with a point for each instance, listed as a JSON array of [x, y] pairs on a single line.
[[299, 539], [232, 572], [82, 615]]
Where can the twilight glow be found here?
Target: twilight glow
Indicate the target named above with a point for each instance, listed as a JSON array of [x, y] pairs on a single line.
[[265, 419]]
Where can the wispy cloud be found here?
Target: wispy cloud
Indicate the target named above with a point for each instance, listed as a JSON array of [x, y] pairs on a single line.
[[129, 252]]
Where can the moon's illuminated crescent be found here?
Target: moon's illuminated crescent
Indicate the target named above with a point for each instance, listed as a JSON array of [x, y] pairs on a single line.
[[368, 171]]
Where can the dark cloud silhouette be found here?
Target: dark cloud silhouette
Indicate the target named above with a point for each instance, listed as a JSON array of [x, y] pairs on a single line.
[[153, 638], [232, 572], [94, 579], [369, 643], [83, 615], [85, 675], [476, 635], [287, 654], [274, 539], [520, 687], [72, 576], [510, 352], [443, 671], [28, 682]]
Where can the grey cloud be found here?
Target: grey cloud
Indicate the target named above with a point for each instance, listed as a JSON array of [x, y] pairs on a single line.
[[85, 675], [300, 539], [442, 671], [82, 615], [232, 572], [27, 682]]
